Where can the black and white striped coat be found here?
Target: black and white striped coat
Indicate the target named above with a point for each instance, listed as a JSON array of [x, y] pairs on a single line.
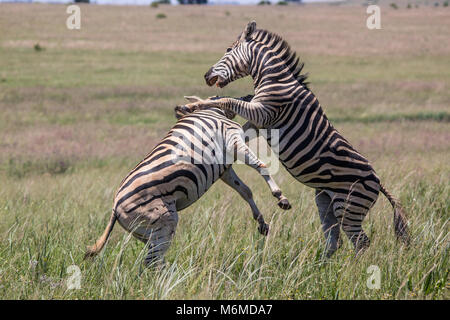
[[195, 153], [309, 147]]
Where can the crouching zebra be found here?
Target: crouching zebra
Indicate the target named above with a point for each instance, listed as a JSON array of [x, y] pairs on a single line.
[[309, 147], [196, 152]]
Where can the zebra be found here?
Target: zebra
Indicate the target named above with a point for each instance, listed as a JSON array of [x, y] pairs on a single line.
[[309, 146], [177, 172]]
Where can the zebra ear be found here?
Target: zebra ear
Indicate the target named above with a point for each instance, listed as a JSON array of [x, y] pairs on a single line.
[[249, 29], [192, 99]]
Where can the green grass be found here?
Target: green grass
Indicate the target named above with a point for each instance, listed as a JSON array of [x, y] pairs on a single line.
[[217, 251], [77, 116]]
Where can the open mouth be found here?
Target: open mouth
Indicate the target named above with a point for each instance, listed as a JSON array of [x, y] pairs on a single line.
[[216, 80]]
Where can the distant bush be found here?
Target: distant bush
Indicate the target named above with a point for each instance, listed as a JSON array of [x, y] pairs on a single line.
[[37, 47], [156, 3], [81, 1], [263, 3], [20, 168], [445, 4], [161, 16], [227, 13], [394, 6], [409, 6], [282, 3]]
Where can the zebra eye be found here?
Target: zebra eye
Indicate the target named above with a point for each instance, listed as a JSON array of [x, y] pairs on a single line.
[[229, 49]]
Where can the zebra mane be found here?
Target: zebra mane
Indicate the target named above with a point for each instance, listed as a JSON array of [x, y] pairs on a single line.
[[289, 57]]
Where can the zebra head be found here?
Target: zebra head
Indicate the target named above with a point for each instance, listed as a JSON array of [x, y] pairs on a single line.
[[235, 63]]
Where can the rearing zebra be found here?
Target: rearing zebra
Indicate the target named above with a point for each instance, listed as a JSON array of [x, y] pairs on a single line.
[[310, 148], [196, 152]]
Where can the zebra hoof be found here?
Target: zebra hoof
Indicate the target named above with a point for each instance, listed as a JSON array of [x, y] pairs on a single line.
[[284, 204], [330, 252], [263, 229]]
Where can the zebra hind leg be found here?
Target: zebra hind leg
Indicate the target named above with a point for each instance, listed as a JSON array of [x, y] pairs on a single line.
[[231, 178], [330, 224], [160, 234], [351, 218]]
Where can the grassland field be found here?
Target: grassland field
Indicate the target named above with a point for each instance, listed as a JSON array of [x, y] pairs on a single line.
[[79, 108]]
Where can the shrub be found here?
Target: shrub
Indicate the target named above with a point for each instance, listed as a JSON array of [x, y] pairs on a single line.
[[264, 2], [21, 168], [282, 3], [156, 3], [37, 47], [394, 6], [161, 16]]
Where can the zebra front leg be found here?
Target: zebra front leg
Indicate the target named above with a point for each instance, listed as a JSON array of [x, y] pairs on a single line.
[[276, 191], [230, 178], [283, 202], [261, 115], [244, 154]]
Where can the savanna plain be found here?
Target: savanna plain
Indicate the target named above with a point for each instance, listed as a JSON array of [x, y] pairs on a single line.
[[79, 108]]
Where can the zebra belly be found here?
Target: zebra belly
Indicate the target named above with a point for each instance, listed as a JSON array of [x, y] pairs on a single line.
[[184, 202], [323, 167]]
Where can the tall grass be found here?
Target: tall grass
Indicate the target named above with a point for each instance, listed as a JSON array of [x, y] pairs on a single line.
[[217, 252]]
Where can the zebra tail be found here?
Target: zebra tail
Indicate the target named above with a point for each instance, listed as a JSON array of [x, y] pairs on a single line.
[[400, 220], [98, 246]]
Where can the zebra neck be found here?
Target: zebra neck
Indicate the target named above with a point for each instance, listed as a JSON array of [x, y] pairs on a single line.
[[302, 108], [274, 87], [277, 93]]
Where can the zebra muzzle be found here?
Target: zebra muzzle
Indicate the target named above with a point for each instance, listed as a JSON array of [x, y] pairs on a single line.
[[210, 81]]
